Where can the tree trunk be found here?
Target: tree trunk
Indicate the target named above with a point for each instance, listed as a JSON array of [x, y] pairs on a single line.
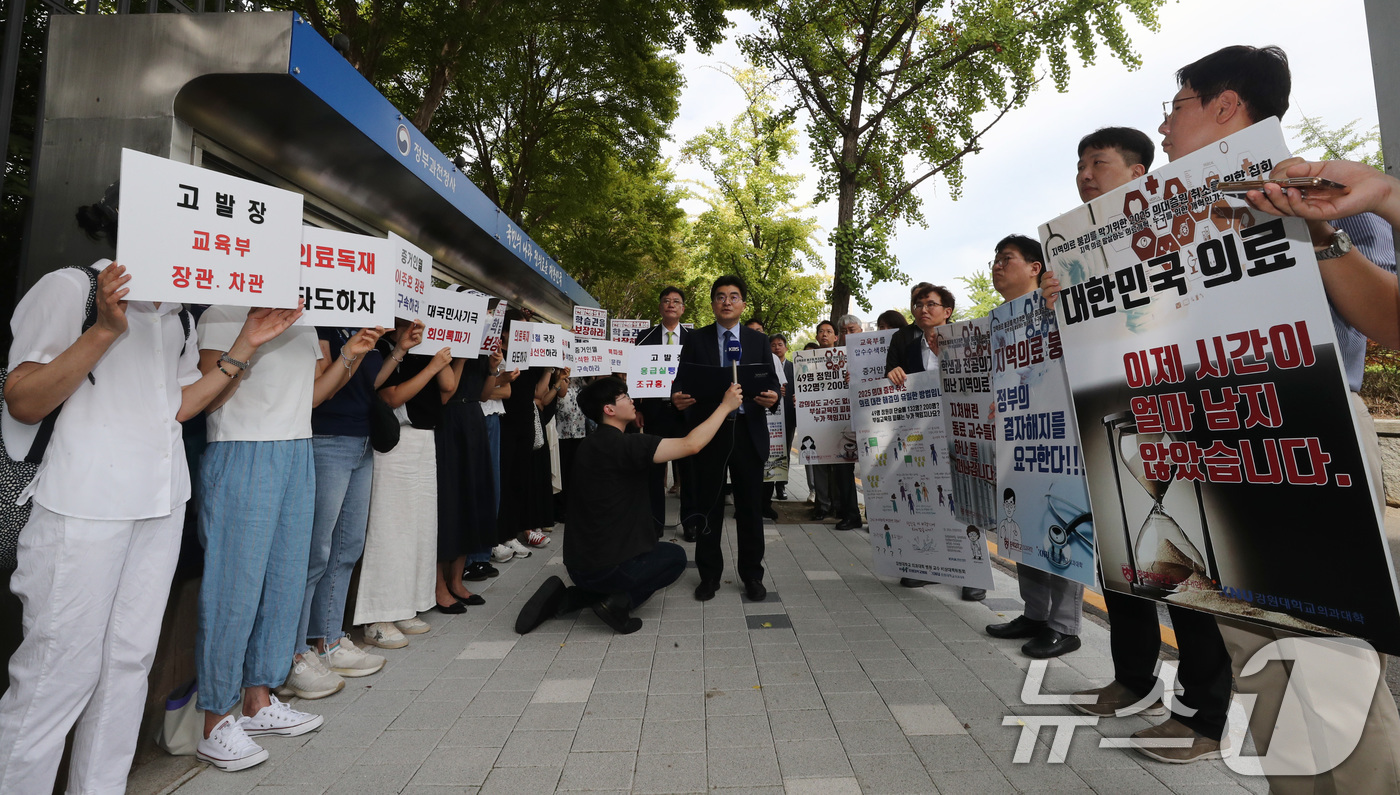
[[845, 219], [443, 72]]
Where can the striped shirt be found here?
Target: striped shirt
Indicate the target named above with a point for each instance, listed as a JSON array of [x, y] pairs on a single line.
[[1372, 236]]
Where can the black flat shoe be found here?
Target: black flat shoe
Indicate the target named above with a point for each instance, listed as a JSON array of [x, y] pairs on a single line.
[[473, 600], [454, 609], [541, 607], [1050, 643], [1018, 627]]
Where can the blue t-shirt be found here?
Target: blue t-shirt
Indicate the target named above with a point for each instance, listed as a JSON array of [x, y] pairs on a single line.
[[347, 412]]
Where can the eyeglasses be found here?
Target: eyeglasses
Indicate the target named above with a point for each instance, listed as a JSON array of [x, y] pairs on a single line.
[[1169, 107], [728, 298], [620, 397], [927, 305], [1003, 260], [673, 302]]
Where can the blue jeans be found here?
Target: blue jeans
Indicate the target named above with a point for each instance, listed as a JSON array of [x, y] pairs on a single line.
[[639, 577], [493, 438], [344, 469], [255, 513]]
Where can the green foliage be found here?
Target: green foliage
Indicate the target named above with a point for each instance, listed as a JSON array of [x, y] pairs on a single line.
[[981, 298], [753, 227], [898, 91], [1343, 143]]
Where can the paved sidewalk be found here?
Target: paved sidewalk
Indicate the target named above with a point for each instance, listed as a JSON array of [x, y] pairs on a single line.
[[841, 682]]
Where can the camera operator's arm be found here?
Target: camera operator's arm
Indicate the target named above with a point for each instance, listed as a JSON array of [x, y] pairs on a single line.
[[695, 441]]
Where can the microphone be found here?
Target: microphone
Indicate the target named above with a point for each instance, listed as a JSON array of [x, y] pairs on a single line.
[[731, 352]]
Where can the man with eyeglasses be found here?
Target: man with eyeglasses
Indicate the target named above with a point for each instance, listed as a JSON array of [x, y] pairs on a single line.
[[914, 349], [662, 418], [738, 449]]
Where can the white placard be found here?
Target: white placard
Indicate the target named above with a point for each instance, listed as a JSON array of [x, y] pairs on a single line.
[[491, 337], [197, 236], [457, 319], [617, 353], [347, 280], [412, 271], [537, 345], [651, 369], [590, 323], [590, 357], [626, 330], [823, 407]]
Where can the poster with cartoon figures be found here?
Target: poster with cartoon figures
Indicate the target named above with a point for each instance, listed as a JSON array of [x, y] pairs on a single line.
[[908, 486], [1225, 463], [824, 434], [775, 469], [965, 362], [1044, 520]]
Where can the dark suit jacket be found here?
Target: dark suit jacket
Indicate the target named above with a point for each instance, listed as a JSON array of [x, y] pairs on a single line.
[[661, 418], [702, 347], [906, 350]]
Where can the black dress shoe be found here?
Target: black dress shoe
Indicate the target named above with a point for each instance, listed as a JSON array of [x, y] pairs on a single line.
[[454, 609], [1018, 627], [818, 515], [1049, 643], [688, 535], [770, 513], [755, 590], [615, 611], [705, 591], [541, 607], [848, 524], [473, 600], [910, 582], [973, 594]]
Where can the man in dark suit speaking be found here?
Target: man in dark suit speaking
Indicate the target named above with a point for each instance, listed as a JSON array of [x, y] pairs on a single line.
[[739, 448]]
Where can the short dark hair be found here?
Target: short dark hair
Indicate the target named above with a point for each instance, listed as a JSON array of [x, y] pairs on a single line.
[[667, 290], [921, 291], [778, 336], [827, 323], [753, 321], [1028, 247], [810, 346], [730, 280], [1260, 75], [973, 530], [1008, 494], [891, 318], [1134, 145], [603, 392]]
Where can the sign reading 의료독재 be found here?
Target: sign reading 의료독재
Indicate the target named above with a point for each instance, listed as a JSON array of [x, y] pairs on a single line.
[[413, 270], [1225, 464], [197, 236], [590, 323], [824, 432], [457, 319], [651, 369], [965, 363], [1044, 521], [626, 330], [347, 280], [538, 345]]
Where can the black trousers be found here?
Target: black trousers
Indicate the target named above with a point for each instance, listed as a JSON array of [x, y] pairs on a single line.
[[656, 486], [730, 451], [844, 499], [1203, 670], [639, 577]]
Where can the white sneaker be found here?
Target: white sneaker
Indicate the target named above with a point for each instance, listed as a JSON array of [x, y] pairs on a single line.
[[520, 550], [279, 718], [536, 539], [385, 635], [412, 626], [347, 660], [310, 679], [502, 553], [228, 747]]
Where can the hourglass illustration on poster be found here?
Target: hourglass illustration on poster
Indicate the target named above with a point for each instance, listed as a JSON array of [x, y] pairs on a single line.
[[1162, 558]]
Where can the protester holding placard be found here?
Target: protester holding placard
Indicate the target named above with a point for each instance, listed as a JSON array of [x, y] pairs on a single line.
[[466, 485], [914, 349], [662, 418], [527, 496], [399, 570], [778, 344], [493, 408], [255, 517], [841, 478], [572, 428], [94, 588]]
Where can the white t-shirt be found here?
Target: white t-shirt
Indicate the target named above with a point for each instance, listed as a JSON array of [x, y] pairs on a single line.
[[274, 401], [489, 407], [116, 452]]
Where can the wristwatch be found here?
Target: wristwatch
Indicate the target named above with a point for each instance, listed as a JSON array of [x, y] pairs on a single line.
[[1341, 244]]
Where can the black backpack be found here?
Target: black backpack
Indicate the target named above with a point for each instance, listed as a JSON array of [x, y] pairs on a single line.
[[15, 476]]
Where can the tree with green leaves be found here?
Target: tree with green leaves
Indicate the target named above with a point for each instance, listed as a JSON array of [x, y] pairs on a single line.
[[1342, 143], [753, 226], [981, 298], [898, 91]]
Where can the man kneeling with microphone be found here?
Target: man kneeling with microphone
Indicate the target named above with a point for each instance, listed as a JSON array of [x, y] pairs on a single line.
[[610, 549]]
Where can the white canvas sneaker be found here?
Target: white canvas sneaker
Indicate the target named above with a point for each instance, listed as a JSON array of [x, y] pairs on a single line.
[[310, 679], [346, 660], [228, 747], [280, 719], [412, 626], [385, 635], [520, 550], [502, 553]]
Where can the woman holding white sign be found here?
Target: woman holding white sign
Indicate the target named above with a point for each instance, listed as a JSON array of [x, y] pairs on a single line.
[[527, 496]]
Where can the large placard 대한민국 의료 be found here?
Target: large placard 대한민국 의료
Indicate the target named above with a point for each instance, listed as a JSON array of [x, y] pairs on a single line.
[[824, 431], [1225, 467], [1045, 520], [196, 236]]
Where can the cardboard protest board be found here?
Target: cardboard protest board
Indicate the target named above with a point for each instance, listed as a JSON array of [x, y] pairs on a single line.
[[197, 236], [491, 337], [413, 270], [626, 330], [965, 362], [347, 280], [537, 345], [651, 370], [590, 323], [455, 318], [824, 431]]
